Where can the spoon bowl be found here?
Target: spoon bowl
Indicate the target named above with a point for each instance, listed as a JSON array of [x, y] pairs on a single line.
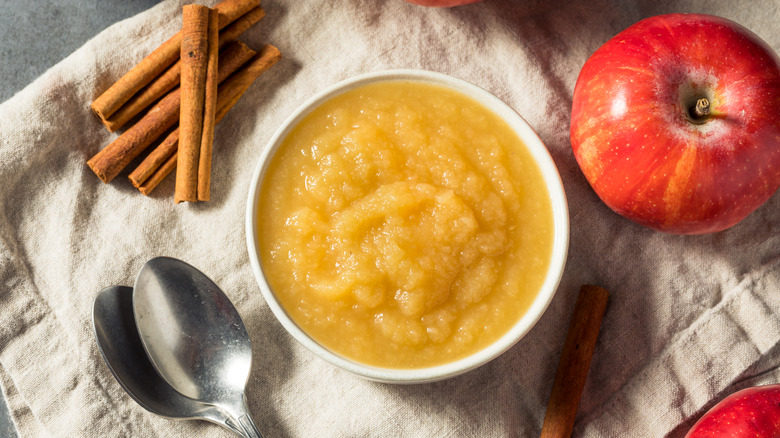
[[118, 342], [194, 337]]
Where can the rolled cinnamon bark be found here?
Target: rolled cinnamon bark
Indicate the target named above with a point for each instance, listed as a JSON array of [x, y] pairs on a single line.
[[156, 62], [238, 83], [159, 174], [141, 100], [153, 170], [162, 116], [209, 111], [575, 362], [160, 162], [195, 44], [241, 25], [171, 77], [155, 160]]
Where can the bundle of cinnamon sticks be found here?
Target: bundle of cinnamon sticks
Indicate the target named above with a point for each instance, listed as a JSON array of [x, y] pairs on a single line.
[[192, 79]]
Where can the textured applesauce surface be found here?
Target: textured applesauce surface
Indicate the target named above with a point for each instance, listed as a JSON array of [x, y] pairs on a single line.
[[404, 225]]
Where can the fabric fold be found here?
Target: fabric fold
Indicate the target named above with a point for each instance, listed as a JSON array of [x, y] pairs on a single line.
[[722, 344]]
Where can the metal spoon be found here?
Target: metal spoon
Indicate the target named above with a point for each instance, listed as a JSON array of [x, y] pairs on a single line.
[[119, 344], [194, 337]]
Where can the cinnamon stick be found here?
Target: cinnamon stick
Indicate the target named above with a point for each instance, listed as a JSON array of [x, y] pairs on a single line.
[[162, 84], [575, 362], [237, 84], [162, 160], [240, 25], [195, 62], [171, 77], [153, 170], [162, 116], [159, 174], [156, 62], [155, 160], [203, 189]]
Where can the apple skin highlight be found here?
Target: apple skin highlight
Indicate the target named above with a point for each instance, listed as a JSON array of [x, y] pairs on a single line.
[[644, 152], [752, 412]]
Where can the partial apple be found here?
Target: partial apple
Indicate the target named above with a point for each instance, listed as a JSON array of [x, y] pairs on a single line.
[[750, 413], [676, 123], [442, 3]]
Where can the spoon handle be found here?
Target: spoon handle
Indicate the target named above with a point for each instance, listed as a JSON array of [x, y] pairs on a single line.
[[250, 430], [242, 421]]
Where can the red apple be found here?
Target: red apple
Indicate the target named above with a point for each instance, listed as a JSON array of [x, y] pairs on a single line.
[[752, 412], [646, 150], [442, 3]]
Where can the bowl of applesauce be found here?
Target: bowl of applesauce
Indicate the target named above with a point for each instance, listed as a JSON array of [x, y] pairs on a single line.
[[406, 226]]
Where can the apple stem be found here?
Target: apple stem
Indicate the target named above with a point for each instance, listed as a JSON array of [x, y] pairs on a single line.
[[702, 108], [702, 112]]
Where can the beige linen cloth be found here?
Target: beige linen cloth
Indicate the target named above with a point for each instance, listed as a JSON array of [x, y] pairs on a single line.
[[690, 319]]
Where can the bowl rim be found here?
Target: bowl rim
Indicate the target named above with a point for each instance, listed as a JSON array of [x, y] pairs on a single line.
[[552, 181]]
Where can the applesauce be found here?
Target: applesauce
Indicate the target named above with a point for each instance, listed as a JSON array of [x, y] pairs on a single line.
[[404, 225]]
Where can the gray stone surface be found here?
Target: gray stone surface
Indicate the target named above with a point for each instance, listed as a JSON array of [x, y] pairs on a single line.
[[36, 35], [6, 425]]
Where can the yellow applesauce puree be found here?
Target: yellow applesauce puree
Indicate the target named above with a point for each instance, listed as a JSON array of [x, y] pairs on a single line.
[[404, 225]]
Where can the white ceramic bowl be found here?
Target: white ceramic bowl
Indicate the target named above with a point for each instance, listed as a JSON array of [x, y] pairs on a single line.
[[560, 218]]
